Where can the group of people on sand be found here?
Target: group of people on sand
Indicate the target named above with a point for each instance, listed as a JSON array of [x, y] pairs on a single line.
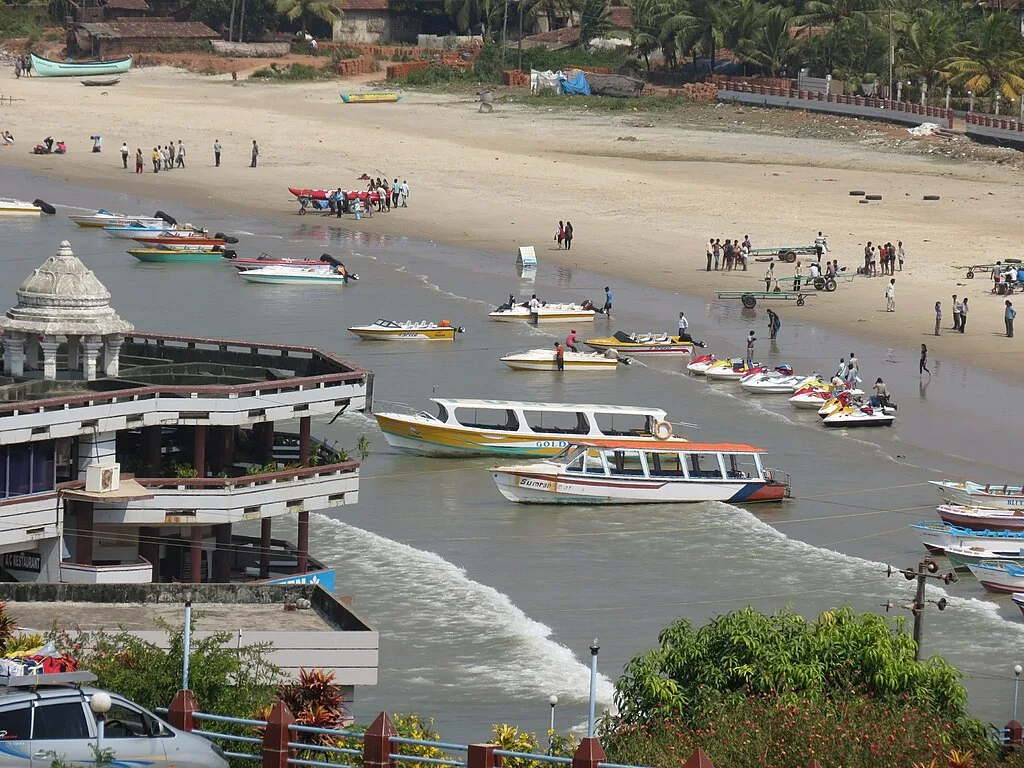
[[564, 235], [888, 255], [732, 255], [164, 158], [23, 66], [392, 195]]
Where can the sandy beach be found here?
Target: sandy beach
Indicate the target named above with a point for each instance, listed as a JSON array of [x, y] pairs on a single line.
[[644, 206]]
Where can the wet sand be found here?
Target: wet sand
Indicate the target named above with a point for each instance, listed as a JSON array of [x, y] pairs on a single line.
[[643, 208]]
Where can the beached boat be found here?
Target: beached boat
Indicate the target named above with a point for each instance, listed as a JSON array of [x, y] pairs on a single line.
[[968, 494], [700, 365], [962, 557], [937, 536], [175, 255], [408, 330], [288, 275], [980, 518], [11, 207], [1018, 600], [181, 243], [731, 370], [998, 575], [101, 83], [637, 472], [370, 98], [662, 345], [546, 313], [545, 360], [815, 393], [107, 219], [464, 427], [47, 68], [861, 416]]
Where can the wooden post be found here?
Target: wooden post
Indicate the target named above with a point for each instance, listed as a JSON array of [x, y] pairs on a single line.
[[196, 555], [199, 449], [277, 736], [482, 756], [179, 714], [589, 753], [1014, 732], [698, 760], [304, 440], [266, 529], [377, 743]]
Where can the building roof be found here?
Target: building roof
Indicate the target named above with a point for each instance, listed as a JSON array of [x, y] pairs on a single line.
[[121, 29], [127, 5], [62, 297], [555, 39], [364, 5], [621, 17]]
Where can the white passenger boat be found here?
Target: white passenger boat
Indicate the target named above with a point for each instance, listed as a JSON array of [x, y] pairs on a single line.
[[998, 576], [407, 330], [937, 536], [969, 493], [661, 345], [282, 275], [11, 207], [107, 219], [545, 360], [546, 313], [465, 427], [981, 518], [635, 472], [700, 365], [861, 416], [732, 370]]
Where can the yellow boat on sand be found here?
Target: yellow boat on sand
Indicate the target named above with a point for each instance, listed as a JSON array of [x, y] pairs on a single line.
[[370, 98]]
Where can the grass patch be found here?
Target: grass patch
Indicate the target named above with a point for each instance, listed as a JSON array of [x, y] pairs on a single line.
[[652, 103], [292, 73], [444, 78], [23, 21]]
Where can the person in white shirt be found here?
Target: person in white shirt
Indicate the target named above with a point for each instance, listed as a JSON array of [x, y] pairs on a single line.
[[684, 324], [404, 193], [124, 153], [769, 276], [820, 246], [180, 154], [815, 270], [890, 296], [900, 253]]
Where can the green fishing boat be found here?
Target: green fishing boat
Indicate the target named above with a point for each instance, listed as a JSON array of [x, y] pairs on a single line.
[[166, 256]]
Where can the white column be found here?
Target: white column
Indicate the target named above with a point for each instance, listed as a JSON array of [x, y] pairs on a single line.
[[49, 345], [112, 356], [91, 345], [14, 353], [96, 448], [74, 353]]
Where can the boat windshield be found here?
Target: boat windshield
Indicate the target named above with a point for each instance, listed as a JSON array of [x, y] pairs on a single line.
[[625, 424], [703, 466], [742, 466]]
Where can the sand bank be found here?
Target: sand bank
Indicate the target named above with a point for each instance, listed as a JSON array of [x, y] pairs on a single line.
[[645, 206]]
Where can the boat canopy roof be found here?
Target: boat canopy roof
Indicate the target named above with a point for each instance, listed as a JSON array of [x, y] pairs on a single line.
[[667, 445], [455, 402]]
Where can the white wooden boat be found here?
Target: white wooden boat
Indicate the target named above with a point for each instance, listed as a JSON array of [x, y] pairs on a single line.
[[635, 472], [969, 493], [545, 360], [661, 345], [107, 219], [465, 427], [980, 518], [407, 330], [284, 275], [12, 207], [937, 536], [547, 313], [998, 576]]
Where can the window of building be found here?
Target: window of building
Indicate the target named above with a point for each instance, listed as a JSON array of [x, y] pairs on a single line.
[[28, 468], [60, 721]]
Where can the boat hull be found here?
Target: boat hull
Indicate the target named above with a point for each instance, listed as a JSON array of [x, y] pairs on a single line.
[[47, 68], [939, 536], [292, 279], [525, 487], [668, 349], [161, 256], [405, 334], [982, 520], [517, 363], [19, 210], [551, 316], [244, 264], [997, 579], [98, 222]]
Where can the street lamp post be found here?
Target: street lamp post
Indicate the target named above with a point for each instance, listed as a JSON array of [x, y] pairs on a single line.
[[1017, 669], [553, 701], [970, 101], [594, 648], [186, 650], [999, 97]]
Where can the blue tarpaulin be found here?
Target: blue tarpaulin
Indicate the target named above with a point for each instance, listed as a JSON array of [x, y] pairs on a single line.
[[578, 84]]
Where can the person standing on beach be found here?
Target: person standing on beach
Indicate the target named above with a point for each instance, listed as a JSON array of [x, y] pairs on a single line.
[[255, 153], [1008, 316], [124, 154], [717, 248], [607, 298], [890, 296], [769, 275], [560, 356], [405, 193], [900, 253], [569, 234], [710, 253], [156, 160], [138, 160], [956, 313], [774, 323], [395, 190], [820, 244], [963, 316], [922, 366], [938, 316], [181, 154], [751, 338], [560, 234], [216, 153]]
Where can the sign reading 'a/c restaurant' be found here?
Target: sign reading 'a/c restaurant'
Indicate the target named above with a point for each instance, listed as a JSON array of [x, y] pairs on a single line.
[[23, 561]]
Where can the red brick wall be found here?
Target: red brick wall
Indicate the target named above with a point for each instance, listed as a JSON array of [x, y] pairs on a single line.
[[400, 70], [364, 65], [515, 78], [767, 82]]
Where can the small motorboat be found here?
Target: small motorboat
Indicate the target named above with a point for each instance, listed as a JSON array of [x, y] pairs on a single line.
[[546, 313], [980, 518], [700, 365], [862, 416], [408, 330], [11, 207], [960, 557], [781, 381], [107, 219], [544, 360], [135, 229], [183, 243], [998, 575], [329, 272], [813, 394], [266, 260], [969, 493], [176, 255], [662, 345], [938, 536], [734, 370]]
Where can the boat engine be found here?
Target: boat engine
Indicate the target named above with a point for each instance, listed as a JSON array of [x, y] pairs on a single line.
[[166, 217]]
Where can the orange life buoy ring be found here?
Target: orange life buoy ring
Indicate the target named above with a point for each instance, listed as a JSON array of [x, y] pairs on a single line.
[[662, 430]]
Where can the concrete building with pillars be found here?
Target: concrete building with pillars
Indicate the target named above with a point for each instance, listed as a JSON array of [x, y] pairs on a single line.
[[130, 457]]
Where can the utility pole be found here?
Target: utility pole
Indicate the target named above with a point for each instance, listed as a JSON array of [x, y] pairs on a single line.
[[892, 52], [504, 36], [926, 569]]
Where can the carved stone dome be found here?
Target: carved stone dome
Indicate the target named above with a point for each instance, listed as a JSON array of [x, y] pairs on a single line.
[[64, 297]]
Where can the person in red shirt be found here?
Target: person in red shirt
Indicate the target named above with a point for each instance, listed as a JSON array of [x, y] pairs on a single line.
[[570, 341]]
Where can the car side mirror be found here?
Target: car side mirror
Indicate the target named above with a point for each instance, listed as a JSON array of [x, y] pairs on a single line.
[[156, 728]]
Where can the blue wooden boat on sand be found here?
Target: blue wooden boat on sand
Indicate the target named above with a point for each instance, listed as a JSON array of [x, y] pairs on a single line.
[[46, 68]]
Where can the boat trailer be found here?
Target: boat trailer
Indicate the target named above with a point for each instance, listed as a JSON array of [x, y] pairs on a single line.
[[749, 298]]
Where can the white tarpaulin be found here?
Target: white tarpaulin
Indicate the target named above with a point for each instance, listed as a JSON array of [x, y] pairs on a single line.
[[542, 80], [925, 129]]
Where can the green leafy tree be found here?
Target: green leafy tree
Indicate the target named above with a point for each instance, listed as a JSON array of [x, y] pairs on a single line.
[[924, 42], [840, 654], [306, 11], [594, 21], [771, 47], [645, 34], [990, 59], [698, 27]]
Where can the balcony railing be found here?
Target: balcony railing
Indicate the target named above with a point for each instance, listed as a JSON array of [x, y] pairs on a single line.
[[139, 572]]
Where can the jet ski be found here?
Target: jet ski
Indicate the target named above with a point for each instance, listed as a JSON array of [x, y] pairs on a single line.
[[862, 416], [780, 381], [733, 370], [700, 365]]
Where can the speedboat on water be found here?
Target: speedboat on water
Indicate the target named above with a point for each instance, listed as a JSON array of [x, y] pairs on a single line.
[[641, 472], [733, 370], [189, 243], [107, 219], [781, 381], [278, 275], [545, 360], [546, 313], [662, 345], [969, 493], [134, 230], [980, 518], [700, 365], [11, 207], [177, 255], [862, 416], [937, 536], [266, 260], [407, 330]]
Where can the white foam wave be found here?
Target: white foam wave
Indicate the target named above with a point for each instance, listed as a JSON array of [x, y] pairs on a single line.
[[443, 602]]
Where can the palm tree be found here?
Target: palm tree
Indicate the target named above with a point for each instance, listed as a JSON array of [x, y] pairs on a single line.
[[594, 21], [771, 47], [992, 58], [699, 26], [923, 43], [328, 11], [645, 35]]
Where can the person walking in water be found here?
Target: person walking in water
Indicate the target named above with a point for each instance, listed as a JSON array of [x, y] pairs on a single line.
[[1008, 316], [570, 341], [774, 323], [922, 366], [890, 296], [607, 300], [255, 153], [751, 338], [684, 326], [938, 316], [560, 356], [216, 153], [560, 234]]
